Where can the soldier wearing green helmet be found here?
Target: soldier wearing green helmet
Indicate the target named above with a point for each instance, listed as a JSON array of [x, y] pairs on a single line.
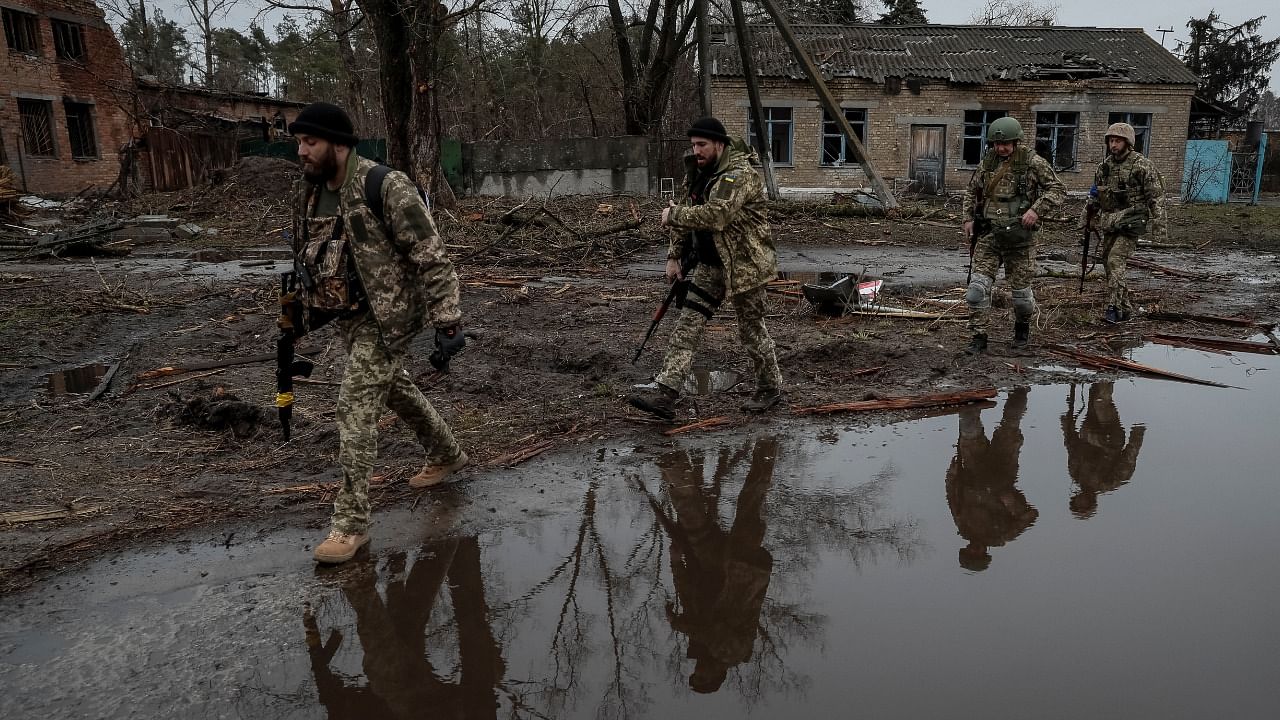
[[1129, 195], [1008, 193]]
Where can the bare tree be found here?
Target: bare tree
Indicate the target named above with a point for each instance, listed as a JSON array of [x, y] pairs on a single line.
[[342, 18], [649, 51], [204, 13], [1015, 12]]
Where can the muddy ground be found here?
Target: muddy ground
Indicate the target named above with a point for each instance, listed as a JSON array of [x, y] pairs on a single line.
[[558, 305]]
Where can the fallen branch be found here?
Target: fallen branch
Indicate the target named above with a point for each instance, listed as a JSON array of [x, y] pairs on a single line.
[[180, 369], [1218, 343], [902, 403], [515, 457], [18, 517], [173, 382], [700, 425], [1107, 362], [16, 461], [104, 383], [1174, 272]]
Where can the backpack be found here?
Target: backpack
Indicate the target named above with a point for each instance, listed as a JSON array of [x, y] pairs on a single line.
[[373, 191]]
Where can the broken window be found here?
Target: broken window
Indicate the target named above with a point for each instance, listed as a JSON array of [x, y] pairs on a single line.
[[37, 127], [21, 31], [1056, 138], [84, 142], [835, 147], [778, 121], [1141, 123], [975, 133], [68, 40]]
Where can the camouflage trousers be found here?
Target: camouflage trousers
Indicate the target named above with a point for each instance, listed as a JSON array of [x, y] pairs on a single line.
[[687, 337], [375, 377], [1019, 269], [1116, 249]]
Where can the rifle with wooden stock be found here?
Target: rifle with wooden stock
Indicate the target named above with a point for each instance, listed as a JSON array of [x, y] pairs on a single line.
[[679, 289]]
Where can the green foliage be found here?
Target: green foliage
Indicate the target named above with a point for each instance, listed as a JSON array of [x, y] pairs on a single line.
[[306, 61], [157, 47], [1232, 61], [240, 62], [902, 12]]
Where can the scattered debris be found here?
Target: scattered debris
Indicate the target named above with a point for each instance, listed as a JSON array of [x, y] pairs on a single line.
[[17, 517], [219, 411], [1172, 272], [1193, 317], [193, 367], [700, 425], [82, 239], [962, 397]]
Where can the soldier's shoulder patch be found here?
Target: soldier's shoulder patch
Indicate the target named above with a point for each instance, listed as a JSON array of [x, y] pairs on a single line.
[[730, 178]]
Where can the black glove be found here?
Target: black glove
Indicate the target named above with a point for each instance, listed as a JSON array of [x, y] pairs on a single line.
[[449, 342]]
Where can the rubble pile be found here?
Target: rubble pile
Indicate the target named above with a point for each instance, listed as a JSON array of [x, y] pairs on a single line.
[[10, 192]]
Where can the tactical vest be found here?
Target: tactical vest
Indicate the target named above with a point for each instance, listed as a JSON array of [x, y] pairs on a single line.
[[1007, 196], [1116, 182], [330, 283]]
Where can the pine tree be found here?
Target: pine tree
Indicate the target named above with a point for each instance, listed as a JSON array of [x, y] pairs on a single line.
[[902, 12], [1232, 60]]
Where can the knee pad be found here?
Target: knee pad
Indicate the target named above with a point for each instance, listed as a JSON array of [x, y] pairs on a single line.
[[979, 292], [1024, 303]]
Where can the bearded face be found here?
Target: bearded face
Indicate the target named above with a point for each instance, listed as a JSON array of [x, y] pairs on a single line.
[[319, 160]]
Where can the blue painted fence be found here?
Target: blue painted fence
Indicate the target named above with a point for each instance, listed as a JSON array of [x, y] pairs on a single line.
[[1206, 174]]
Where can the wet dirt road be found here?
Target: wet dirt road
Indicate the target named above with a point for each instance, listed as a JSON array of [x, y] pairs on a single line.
[[1101, 550]]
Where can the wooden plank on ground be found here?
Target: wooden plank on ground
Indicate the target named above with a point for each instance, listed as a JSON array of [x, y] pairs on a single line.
[[18, 517], [1194, 317], [700, 425], [1107, 362], [1220, 343], [902, 403]]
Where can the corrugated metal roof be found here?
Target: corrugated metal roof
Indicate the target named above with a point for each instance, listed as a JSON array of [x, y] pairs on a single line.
[[960, 53]]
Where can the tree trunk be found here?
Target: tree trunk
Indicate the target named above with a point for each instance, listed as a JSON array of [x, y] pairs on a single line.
[[340, 22]]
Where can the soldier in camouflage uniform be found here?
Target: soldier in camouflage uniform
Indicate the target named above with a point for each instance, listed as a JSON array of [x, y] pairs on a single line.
[[1008, 193], [1129, 198], [382, 280], [721, 222]]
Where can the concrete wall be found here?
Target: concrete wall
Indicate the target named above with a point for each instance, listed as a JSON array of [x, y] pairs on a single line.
[[574, 166], [102, 81], [890, 117]]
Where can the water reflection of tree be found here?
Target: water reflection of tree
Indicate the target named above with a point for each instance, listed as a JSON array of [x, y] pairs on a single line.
[[1099, 456], [988, 508], [401, 680]]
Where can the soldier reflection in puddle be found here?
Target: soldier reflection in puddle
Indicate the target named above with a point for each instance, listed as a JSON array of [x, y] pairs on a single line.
[[988, 507], [1099, 456], [720, 577], [401, 681]]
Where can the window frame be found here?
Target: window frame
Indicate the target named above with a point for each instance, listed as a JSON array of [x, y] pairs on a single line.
[[87, 134], [859, 127], [27, 124], [1141, 130], [1055, 127], [64, 31], [28, 31], [772, 123], [987, 116]]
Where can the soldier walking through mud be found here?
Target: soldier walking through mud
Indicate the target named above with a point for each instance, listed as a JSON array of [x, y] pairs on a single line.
[[1128, 193], [721, 223], [383, 276], [1008, 194]]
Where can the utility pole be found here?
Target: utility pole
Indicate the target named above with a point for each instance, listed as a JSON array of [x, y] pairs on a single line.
[[704, 57], [753, 95], [828, 102], [1163, 32]]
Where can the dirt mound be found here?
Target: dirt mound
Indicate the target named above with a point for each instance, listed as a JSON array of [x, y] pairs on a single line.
[[255, 178], [219, 411]]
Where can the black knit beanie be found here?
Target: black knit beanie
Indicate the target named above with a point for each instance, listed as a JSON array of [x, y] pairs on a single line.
[[709, 128], [325, 120]]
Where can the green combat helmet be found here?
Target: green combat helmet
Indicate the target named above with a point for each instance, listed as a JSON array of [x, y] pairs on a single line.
[[1005, 129]]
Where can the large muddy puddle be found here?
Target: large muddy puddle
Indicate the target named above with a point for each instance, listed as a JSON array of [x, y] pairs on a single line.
[[1101, 549]]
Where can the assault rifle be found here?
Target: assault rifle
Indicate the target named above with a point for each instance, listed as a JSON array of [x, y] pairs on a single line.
[[679, 289], [981, 226], [1090, 215], [287, 368]]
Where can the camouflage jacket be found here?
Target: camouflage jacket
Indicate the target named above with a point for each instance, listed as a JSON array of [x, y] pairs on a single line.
[[1009, 188], [734, 214], [406, 273], [1130, 195]]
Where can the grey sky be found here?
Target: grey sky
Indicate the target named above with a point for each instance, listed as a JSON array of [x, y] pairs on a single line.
[[1146, 14]]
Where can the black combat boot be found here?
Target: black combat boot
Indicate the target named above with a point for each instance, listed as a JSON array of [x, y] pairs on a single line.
[[977, 345], [1021, 335], [762, 400], [659, 401], [1113, 315]]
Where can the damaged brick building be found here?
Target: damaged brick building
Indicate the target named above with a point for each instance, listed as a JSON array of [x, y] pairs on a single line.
[[921, 98], [64, 85]]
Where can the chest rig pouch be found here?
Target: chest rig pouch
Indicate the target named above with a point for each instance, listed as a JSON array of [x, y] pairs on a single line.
[[326, 271], [1118, 214], [1007, 197]]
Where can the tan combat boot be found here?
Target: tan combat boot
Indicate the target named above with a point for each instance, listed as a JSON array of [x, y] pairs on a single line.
[[431, 475], [339, 547]]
